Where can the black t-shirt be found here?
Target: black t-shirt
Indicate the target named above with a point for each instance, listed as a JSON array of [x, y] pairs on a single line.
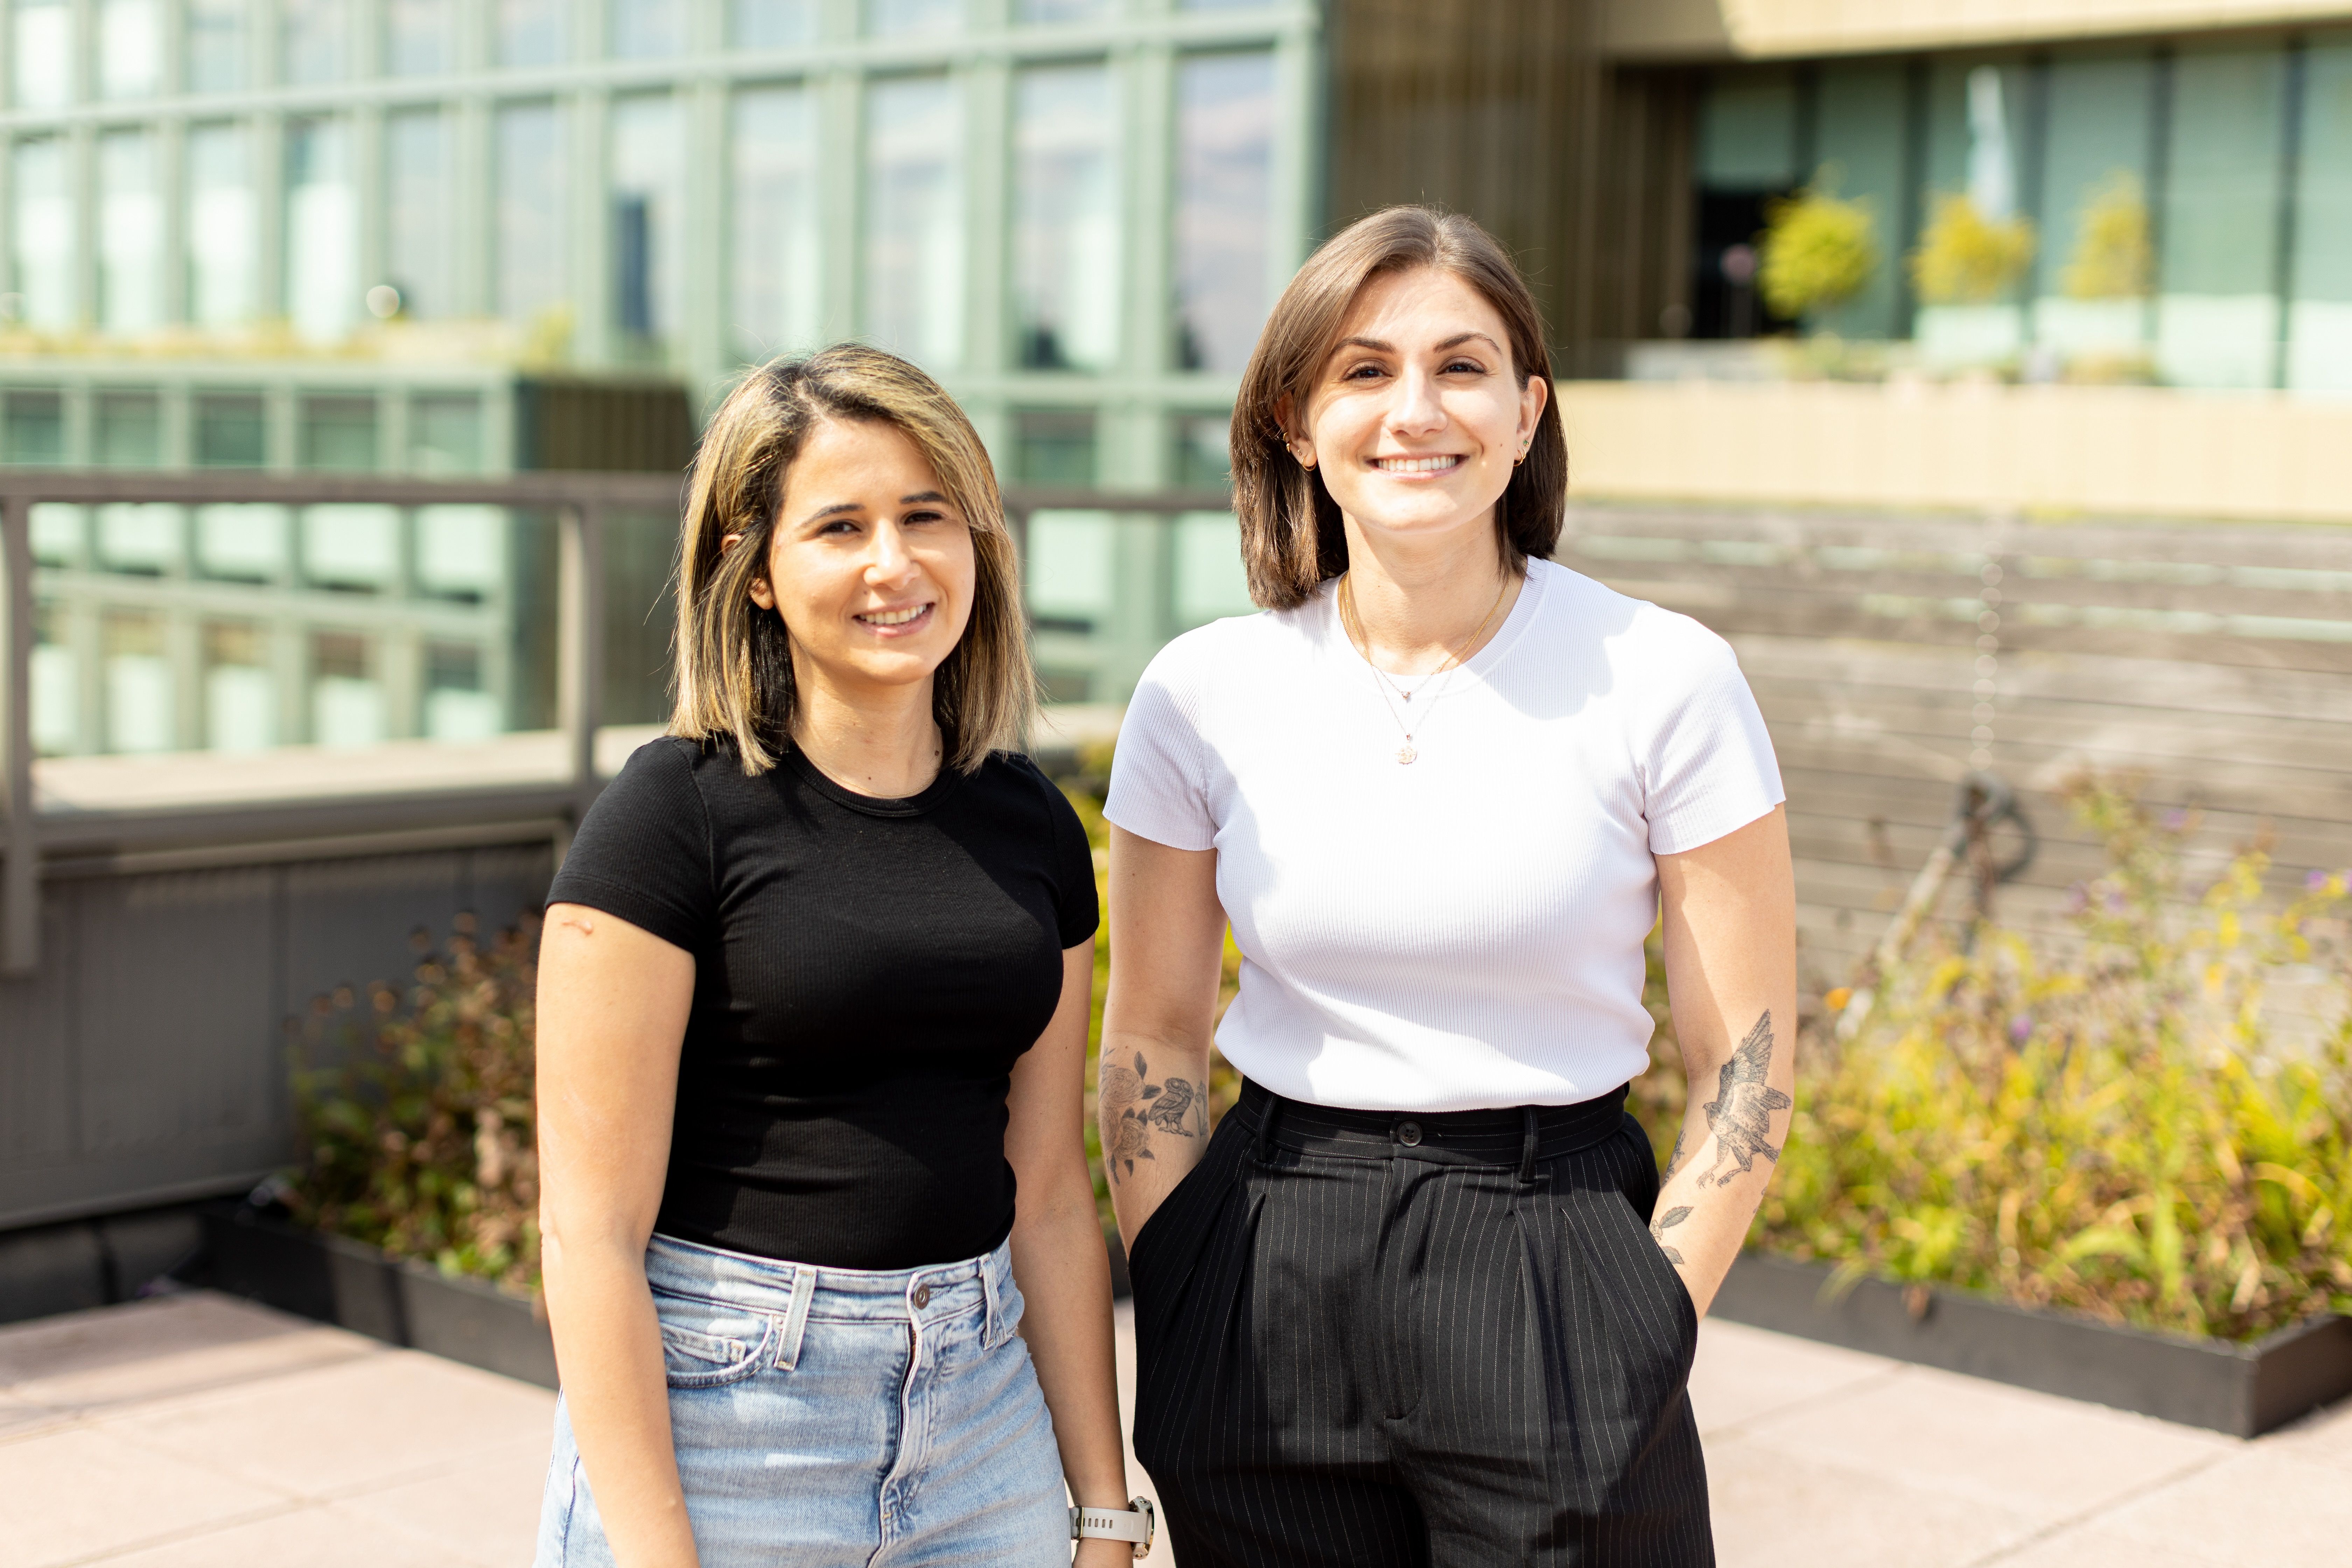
[[866, 971]]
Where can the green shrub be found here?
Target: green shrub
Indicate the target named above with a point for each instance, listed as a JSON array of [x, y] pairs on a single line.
[[1819, 250], [420, 1137], [2119, 1122]]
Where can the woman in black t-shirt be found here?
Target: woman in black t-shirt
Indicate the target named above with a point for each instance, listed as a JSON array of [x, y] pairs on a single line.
[[813, 1014]]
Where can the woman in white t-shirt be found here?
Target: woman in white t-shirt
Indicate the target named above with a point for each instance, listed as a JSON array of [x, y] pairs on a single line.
[[1402, 1308]]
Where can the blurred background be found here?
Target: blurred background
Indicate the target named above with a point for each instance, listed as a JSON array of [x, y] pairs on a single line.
[[1975, 366]]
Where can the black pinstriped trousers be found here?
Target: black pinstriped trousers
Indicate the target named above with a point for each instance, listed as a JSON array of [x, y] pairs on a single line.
[[1375, 1341]]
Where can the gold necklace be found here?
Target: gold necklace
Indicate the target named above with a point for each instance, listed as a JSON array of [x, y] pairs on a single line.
[[1434, 682]]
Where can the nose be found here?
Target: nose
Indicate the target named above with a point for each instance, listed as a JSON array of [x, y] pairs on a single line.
[[888, 561], [1414, 408]]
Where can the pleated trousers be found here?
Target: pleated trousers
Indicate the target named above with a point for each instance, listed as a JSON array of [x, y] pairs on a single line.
[[1374, 1341]]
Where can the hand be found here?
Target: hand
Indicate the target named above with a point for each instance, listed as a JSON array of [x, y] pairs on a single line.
[[1099, 1553]]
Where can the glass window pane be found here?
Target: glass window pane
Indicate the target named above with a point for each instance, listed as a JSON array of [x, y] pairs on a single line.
[[229, 429], [648, 29], [130, 234], [1072, 570], [240, 694], [1224, 199], [338, 433], [1976, 133], [1054, 446], [913, 285], [648, 230], [43, 53], [907, 18], [530, 273], [314, 40], [2218, 318], [138, 683], [1051, 11], [323, 260], [419, 37], [347, 697], [533, 32], [416, 211], [221, 242], [43, 234], [1210, 580], [127, 430], [140, 538], [2094, 271], [130, 48], [1066, 250], [1860, 136], [445, 434], [243, 541], [773, 24], [1203, 458], [1748, 131], [35, 432], [216, 46], [777, 301], [2319, 344]]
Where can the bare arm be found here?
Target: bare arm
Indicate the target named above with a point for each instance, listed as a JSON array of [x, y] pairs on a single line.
[[613, 1004], [1058, 1258], [1731, 915], [1167, 934]]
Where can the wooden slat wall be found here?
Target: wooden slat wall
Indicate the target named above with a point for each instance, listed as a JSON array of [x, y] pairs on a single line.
[[2216, 659]]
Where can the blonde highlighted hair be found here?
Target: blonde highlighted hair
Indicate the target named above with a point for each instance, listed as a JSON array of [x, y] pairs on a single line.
[[734, 675]]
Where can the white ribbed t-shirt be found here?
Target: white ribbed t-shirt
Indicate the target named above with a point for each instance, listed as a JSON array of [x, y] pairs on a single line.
[[1466, 931]]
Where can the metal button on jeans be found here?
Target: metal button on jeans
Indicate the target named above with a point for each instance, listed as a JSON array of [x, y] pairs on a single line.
[[1409, 1133], [922, 1297]]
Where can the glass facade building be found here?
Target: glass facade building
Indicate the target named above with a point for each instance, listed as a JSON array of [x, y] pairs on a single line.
[[2185, 202]]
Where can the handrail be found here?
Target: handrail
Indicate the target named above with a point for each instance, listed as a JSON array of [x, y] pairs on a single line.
[[581, 500]]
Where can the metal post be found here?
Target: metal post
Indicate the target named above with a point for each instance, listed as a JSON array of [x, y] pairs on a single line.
[[20, 875], [580, 645]]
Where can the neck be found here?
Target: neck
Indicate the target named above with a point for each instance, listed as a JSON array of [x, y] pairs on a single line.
[[1420, 601], [881, 741]]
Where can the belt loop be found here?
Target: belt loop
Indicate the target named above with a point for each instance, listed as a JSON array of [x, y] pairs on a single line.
[[993, 1334], [1265, 1129], [1527, 1145], [788, 1354]]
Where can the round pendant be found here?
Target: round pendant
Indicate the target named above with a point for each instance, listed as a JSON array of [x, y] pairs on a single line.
[[1405, 754]]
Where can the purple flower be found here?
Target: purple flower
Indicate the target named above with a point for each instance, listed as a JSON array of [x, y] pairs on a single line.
[[2314, 881], [2020, 1029], [2175, 820]]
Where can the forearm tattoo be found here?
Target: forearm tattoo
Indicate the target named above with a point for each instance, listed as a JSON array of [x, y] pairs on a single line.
[[1676, 1160], [1134, 1107], [1740, 1115], [1660, 1225]]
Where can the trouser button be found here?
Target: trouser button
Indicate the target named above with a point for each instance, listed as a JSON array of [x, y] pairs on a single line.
[[1409, 1133], [922, 1297]]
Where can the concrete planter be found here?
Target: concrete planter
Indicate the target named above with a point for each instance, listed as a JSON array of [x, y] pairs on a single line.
[[356, 1287], [2242, 1389]]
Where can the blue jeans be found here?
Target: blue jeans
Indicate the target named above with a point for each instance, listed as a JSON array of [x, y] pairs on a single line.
[[828, 1417]]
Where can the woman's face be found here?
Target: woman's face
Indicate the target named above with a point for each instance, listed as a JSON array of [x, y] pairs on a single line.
[[869, 563], [1418, 415]]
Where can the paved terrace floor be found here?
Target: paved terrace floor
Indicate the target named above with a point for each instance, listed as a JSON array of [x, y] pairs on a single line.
[[199, 1432]]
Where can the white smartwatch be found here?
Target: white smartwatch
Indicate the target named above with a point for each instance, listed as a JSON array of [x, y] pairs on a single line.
[[1133, 1523]]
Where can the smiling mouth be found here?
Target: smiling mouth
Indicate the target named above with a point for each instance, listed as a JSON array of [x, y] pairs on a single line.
[[893, 620], [1437, 465]]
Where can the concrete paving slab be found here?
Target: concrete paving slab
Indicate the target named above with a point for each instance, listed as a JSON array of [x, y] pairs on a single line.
[[2258, 1508], [2096, 1546], [487, 1512], [78, 1494], [1742, 1374], [19, 1417], [146, 1351], [358, 1424], [1782, 1508], [324, 1537], [2047, 1457], [2325, 1437]]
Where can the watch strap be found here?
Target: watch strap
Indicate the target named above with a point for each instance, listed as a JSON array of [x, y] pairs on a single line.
[[1134, 1524]]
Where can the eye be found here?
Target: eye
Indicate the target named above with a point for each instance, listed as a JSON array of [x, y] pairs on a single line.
[[1364, 372], [839, 525], [913, 518], [1467, 367]]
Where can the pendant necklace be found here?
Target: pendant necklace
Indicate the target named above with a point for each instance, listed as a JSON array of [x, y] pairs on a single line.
[[1433, 684]]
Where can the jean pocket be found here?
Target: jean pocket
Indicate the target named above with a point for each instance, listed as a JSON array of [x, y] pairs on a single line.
[[707, 1343]]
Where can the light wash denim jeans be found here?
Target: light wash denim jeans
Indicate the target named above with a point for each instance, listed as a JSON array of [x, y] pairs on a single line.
[[836, 1418]]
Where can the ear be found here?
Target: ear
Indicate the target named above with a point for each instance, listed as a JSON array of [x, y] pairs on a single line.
[[1532, 399], [762, 594]]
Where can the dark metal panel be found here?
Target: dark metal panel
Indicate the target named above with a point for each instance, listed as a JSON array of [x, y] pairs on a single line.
[[177, 1037], [354, 922], [498, 887], [37, 1055]]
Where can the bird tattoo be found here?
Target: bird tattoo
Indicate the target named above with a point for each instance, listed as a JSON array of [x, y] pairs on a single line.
[[1740, 1114]]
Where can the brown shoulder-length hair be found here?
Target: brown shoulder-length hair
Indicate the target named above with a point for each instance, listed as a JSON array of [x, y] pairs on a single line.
[[734, 673], [1292, 539]]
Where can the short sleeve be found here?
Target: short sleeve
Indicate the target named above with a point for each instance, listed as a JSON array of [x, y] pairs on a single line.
[[1707, 767], [1078, 907], [1157, 781], [643, 852]]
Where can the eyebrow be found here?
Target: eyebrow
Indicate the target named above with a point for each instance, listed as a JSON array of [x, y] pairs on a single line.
[[1380, 347], [917, 499]]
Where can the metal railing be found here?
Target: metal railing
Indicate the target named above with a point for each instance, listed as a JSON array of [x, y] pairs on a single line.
[[583, 504]]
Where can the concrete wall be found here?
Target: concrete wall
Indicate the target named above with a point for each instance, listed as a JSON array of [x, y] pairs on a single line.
[[1761, 30]]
